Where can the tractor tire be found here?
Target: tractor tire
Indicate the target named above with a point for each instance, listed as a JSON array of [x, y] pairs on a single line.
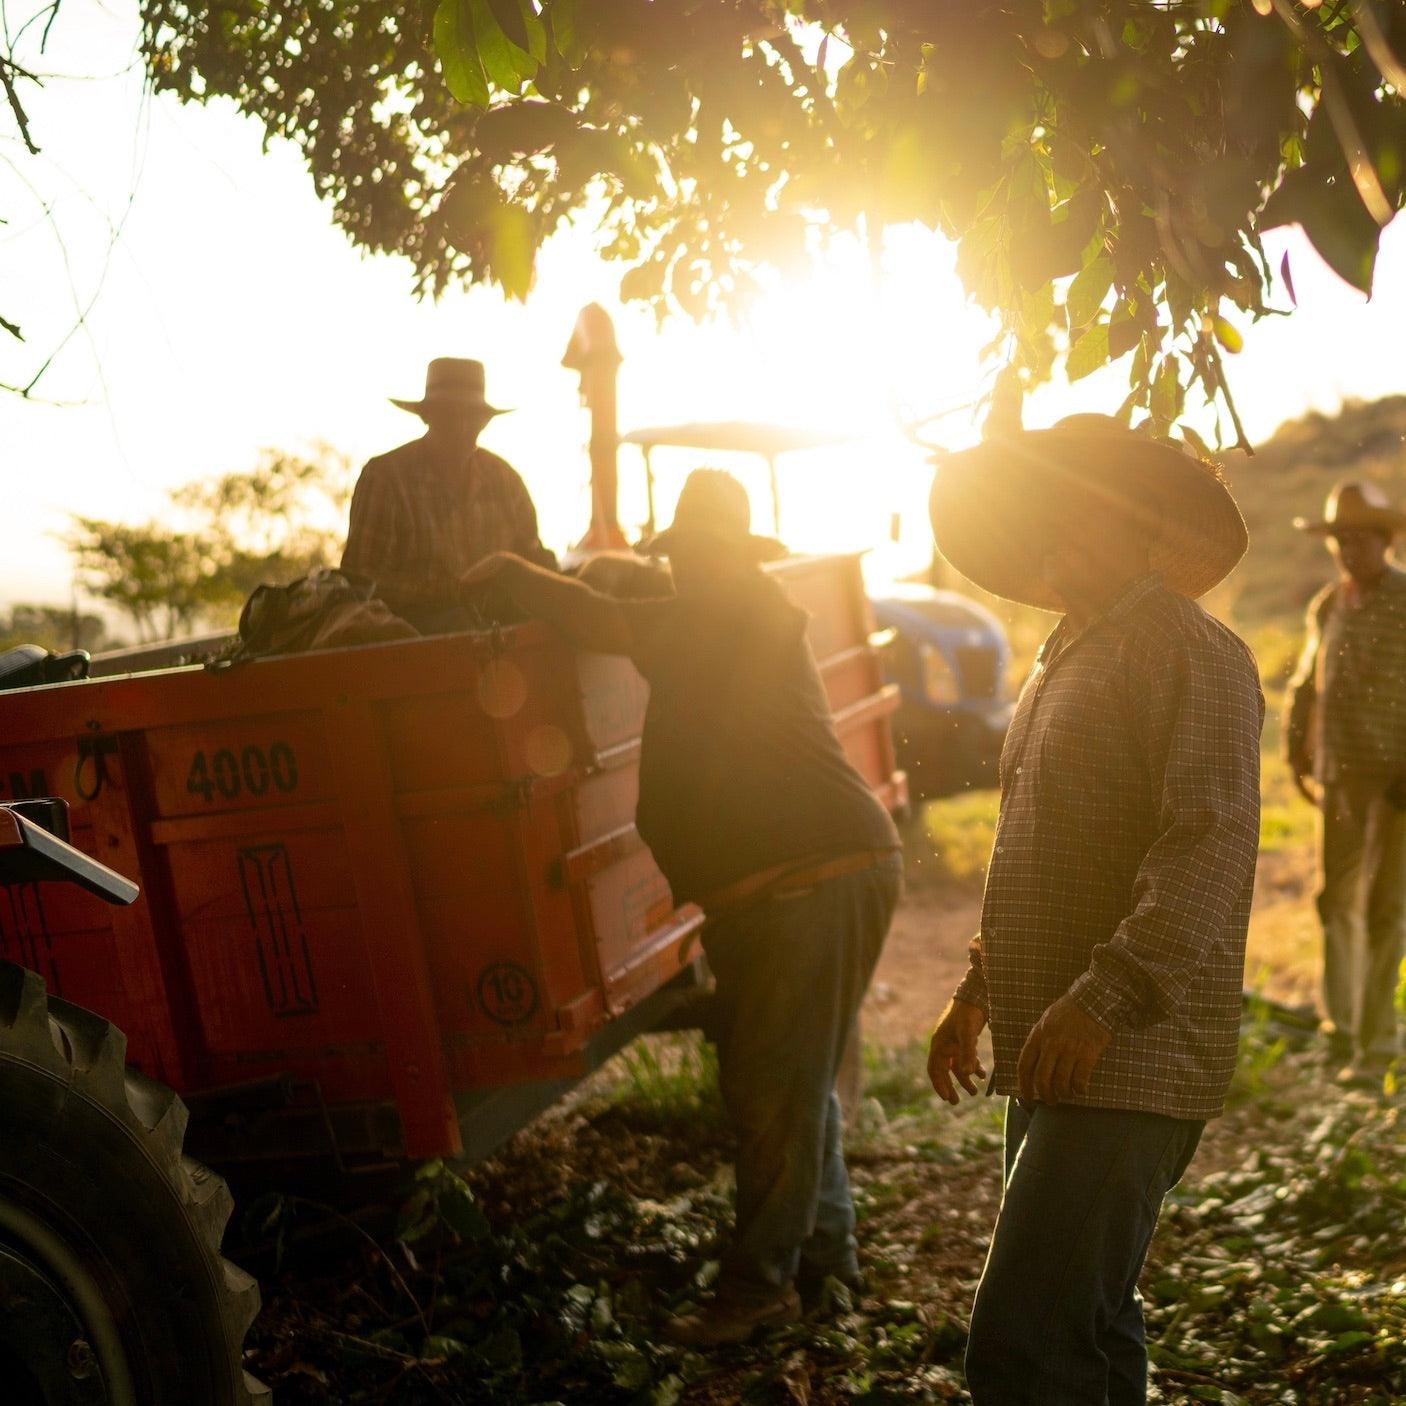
[[112, 1288]]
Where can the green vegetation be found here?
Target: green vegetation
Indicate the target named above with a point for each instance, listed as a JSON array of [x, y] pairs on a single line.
[[219, 539], [672, 1080], [544, 1276], [1106, 170]]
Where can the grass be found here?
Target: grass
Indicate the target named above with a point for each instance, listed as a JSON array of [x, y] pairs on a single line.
[[671, 1080], [953, 841]]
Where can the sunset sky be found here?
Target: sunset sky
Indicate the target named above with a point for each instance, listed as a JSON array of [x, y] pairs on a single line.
[[229, 314]]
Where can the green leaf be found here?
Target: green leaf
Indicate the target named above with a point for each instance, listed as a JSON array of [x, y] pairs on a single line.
[[458, 54], [644, 282], [512, 250], [1333, 217], [1087, 292], [504, 63], [1167, 397], [535, 30], [1228, 335], [1089, 353], [562, 15], [1124, 331]]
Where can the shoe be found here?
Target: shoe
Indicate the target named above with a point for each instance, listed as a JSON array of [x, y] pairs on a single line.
[[730, 1319], [1365, 1072]]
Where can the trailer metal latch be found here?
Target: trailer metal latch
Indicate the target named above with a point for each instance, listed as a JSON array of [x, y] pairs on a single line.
[[93, 747]]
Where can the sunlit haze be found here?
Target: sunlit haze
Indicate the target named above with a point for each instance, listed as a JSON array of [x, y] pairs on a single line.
[[228, 313]]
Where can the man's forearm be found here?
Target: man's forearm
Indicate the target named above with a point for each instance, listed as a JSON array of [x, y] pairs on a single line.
[[584, 616]]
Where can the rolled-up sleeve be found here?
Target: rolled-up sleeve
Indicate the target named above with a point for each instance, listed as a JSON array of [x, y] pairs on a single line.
[[972, 987], [1197, 713]]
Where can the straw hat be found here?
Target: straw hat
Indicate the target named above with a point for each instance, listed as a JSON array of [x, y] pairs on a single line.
[[714, 505], [451, 380], [1355, 506], [989, 505]]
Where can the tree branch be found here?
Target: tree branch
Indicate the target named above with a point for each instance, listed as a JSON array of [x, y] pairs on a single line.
[[9, 70]]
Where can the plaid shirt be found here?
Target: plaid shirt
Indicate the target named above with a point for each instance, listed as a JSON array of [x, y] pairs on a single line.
[[1125, 852], [418, 522], [1346, 705]]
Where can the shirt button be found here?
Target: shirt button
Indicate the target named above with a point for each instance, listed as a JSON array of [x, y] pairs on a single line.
[[1000, 849], [1019, 769]]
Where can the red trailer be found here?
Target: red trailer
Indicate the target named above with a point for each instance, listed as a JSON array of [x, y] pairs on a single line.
[[393, 900]]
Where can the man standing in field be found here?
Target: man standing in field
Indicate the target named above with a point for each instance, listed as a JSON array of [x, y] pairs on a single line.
[[1110, 958], [423, 514], [754, 813], [1345, 727]]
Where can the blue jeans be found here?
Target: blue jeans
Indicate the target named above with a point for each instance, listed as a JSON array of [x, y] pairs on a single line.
[[1058, 1319], [791, 972]]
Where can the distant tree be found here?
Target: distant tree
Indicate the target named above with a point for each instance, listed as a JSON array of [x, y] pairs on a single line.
[[1136, 147], [54, 627], [222, 538]]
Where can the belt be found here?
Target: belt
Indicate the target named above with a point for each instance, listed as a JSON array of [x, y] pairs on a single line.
[[795, 877]]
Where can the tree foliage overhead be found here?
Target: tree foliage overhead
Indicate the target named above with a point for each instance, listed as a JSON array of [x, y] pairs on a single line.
[[1137, 147]]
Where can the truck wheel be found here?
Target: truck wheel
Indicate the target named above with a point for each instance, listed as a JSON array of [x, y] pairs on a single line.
[[112, 1288]]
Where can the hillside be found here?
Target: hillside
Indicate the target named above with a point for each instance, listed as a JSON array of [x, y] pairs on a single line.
[[1289, 477]]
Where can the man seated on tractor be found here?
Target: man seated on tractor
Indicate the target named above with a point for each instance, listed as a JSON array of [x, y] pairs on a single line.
[[425, 513], [753, 812]]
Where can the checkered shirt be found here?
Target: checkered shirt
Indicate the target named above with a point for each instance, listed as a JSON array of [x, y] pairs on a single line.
[[1125, 852], [1346, 705], [419, 522]]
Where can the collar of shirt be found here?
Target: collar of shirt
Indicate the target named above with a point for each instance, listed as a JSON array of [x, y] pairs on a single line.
[[1062, 640]]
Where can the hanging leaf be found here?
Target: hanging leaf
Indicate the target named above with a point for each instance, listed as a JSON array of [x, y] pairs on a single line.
[[512, 248], [1124, 331], [1228, 335], [1286, 274], [504, 62], [1089, 353], [534, 29], [561, 15], [1087, 292], [458, 54], [1167, 397]]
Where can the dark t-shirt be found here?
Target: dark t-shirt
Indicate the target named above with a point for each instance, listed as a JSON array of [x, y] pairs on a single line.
[[740, 768]]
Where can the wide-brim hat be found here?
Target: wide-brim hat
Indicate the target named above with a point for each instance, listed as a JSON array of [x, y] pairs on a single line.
[[1355, 506], [989, 505], [452, 381], [714, 508]]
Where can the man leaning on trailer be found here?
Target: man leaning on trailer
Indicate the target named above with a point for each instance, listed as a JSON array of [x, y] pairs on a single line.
[[754, 813]]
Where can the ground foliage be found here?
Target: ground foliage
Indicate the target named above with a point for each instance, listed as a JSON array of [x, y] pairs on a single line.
[[1278, 1275], [1135, 147]]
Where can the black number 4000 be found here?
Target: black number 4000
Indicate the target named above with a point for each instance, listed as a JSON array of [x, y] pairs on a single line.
[[253, 770]]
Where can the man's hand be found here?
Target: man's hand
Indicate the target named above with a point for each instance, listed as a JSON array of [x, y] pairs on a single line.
[[496, 567], [952, 1050], [1060, 1053], [1302, 768]]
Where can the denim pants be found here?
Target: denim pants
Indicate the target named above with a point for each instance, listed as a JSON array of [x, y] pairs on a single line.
[[1362, 905], [1058, 1319], [791, 972]]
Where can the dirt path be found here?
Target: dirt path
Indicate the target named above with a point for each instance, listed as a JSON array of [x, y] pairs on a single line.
[[923, 959]]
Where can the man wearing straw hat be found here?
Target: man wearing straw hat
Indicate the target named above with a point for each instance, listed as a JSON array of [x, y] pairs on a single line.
[[423, 514], [1345, 728], [1110, 957], [754, 813]]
